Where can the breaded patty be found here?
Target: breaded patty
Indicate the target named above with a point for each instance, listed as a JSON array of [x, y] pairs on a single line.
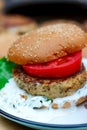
[[51, 88]]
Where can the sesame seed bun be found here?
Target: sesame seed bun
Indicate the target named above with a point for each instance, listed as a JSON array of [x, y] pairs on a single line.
[[47, 43]]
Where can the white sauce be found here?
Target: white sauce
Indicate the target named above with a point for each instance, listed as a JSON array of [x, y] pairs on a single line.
[[17, 102]]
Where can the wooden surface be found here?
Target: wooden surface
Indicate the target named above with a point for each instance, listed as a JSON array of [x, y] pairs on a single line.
[[6, 124]]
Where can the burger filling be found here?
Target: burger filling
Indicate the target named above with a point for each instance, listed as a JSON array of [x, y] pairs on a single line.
[[55, 79], [62, 67], [50, 88]]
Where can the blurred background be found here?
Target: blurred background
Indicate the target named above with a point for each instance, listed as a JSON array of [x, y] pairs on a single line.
[[18, 17], [44, 9]]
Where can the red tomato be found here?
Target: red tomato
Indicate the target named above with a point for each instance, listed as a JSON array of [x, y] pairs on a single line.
[[61, 67]]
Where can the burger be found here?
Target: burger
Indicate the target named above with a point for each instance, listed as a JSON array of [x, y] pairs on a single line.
[[50, 64]]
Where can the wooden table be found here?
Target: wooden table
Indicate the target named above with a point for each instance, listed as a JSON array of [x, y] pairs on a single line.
[[6, 124], [9, 125]]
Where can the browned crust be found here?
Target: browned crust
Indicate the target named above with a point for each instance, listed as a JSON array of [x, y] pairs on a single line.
[[47, 43]]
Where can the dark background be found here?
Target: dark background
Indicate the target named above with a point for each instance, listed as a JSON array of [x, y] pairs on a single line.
[[42, 10]]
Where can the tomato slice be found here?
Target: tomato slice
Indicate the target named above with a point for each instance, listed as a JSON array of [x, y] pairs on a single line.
[[61, 67]]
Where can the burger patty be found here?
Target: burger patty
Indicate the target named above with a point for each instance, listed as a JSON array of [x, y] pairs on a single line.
[[51, 88]]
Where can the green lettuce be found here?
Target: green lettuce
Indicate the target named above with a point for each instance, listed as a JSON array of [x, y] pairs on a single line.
[[6, 68]]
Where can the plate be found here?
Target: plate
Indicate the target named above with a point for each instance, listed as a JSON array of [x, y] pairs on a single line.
[[15, 105]]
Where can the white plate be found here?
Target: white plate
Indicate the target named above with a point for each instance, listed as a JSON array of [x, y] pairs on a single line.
[[14, 107]]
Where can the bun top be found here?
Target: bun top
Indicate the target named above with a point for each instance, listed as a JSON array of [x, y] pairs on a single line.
[[47, 43]]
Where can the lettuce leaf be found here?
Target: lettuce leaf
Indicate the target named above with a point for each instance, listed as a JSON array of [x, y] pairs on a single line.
[[6, 68]]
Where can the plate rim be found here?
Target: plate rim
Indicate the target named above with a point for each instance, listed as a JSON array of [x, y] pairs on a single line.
[[40, 124]]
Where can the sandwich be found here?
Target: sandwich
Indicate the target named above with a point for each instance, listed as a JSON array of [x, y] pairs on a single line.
[[50, 64]]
